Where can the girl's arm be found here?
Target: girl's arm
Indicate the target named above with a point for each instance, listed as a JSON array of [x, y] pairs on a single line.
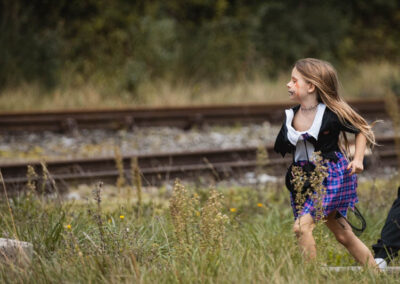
[[356, 165]]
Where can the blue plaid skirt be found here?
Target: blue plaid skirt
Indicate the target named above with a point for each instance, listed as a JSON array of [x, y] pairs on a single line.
[[340, 191]]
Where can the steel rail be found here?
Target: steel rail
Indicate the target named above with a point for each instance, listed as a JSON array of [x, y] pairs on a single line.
[[181, 117]]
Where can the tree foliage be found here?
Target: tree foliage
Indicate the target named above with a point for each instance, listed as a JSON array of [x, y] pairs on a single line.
[[128, 42]]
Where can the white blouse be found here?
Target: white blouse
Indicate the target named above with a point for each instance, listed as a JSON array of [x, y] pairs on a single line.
[[295, 137]]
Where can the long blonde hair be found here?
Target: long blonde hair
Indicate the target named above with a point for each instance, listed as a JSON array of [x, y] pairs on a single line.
[[325, 79]]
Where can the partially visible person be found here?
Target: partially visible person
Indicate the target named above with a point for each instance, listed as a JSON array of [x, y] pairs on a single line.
[[388, 245]]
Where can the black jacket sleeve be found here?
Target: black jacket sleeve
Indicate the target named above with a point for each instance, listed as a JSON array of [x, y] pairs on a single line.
[[279, 142], [349, 128]]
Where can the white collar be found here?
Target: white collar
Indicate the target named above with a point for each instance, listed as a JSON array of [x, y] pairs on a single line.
[[294, 135]]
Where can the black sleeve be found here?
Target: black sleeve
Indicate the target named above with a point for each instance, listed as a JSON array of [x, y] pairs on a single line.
[[280, 140], [349, 128]]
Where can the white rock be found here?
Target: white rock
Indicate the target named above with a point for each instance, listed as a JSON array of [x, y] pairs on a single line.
[[264, 178], [73, 196], [16, 252], [250, 177], [67, 141]]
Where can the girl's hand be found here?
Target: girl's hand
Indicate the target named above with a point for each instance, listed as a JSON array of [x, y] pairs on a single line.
[[356, 167]]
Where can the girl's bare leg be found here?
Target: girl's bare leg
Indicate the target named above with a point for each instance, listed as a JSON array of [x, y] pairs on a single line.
[[344, 234], [303, 227]]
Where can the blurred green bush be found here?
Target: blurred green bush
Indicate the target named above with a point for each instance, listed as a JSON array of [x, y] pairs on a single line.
[[122, 43]]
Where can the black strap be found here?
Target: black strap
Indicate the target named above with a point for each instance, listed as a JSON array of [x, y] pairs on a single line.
[[305, 146], [360, 217]]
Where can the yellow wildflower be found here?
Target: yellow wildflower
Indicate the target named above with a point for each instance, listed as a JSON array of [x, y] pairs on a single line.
[[121, 217], [233, 209], [69, 227], [260, 205]]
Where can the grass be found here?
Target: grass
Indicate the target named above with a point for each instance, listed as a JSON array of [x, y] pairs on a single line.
[[106, 240], [362, 80]]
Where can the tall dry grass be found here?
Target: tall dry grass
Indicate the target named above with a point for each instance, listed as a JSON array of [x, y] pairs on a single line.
[[102, 240], [362, 80]]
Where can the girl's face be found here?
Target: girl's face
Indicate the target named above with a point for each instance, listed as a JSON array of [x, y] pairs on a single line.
[[298, 88]]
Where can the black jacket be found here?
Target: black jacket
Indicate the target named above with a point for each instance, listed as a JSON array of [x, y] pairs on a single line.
[[328, 136]]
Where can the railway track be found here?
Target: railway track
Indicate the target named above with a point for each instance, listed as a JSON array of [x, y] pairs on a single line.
[[181, 117], [154, 168], [159, 168]]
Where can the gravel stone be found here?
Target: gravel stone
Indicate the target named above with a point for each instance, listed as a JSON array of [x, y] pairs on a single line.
[[102, 143]]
